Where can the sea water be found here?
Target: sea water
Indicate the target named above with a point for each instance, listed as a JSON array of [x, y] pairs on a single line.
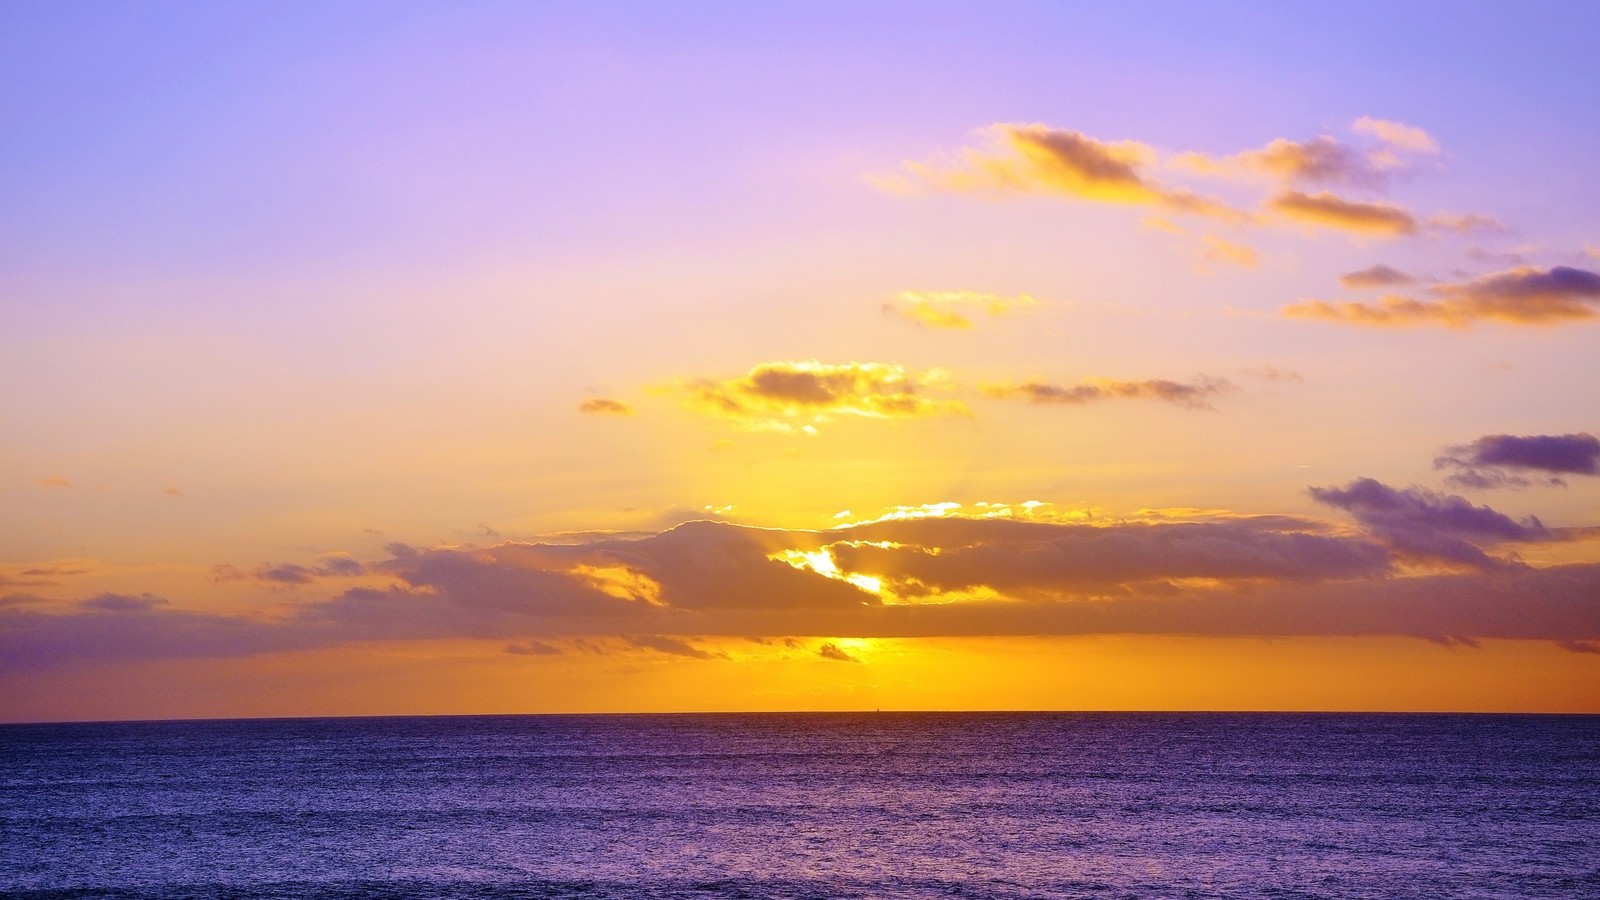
[[883, 805]]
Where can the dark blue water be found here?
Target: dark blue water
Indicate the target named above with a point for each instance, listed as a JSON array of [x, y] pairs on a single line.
[[806, 806]]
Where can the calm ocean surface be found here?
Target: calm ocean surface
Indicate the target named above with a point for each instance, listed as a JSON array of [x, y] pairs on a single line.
[[813, 806]]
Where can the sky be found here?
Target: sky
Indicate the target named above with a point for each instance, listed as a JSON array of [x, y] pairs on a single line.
[[390, 358]]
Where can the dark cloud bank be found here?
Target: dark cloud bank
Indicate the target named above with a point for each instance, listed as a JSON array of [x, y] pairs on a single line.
[[1419, 564]]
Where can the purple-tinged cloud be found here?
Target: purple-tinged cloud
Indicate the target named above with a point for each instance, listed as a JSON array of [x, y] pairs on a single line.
[[1048, 560], [672, 646], [290, 573], [1375, 277], [1503, 460], [1263, 576], [1195, 394], [1466, 223], [122, 602], [1425, 524], [1520, 296]]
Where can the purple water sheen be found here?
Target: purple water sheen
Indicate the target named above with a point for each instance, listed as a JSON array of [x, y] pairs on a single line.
[[807, 805]]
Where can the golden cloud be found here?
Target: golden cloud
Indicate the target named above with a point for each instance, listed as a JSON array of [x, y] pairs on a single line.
[[1327, 210], [1324, 159], [1217, 250], [1038, 159], [939, 309], [798, 395], [1520, 296]]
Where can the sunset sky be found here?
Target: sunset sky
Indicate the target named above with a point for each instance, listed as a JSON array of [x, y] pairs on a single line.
[[378, 358]]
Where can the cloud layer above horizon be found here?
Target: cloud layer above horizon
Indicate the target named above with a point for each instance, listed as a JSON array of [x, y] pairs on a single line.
[[1419, 564]]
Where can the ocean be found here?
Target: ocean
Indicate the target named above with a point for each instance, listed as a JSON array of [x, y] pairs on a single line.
[[877, 805]]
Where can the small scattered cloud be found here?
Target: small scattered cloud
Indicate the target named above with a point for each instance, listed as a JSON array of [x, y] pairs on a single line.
[[1521, 296], [1038, 159], [122, 602], [1466, 223], [533, 648], [1214, 249], [1517, 256], [832, 651], [798, 395], [331, 566], [40, 576], [1505, 460], [1579, 646], [1325, 210], [952, 309], [1398, 136], [1195, 394], [55, 481], [1326, 160], [604, 406], [1321, 161], [672, 646], [172, 491], [1378, 276], [1273, 373], [1452, 641]]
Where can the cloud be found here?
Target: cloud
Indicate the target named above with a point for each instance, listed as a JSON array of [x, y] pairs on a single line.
[[1419, 567], [672, 646], [1520, 296], [1038, 159], [122, 602], [1320, 161], [331, 566], [1466, 223], [797, 395], [1041, 560], [605, 406], [1375, 277], [1398, 136], [1325, 160], [831, 651], [1500, 460], [1215, 249], [1273, 373], [1195, 394], [1325, 210], [56, 481], [27, 578], [533, 648], [1427, 525], [945, 309]]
